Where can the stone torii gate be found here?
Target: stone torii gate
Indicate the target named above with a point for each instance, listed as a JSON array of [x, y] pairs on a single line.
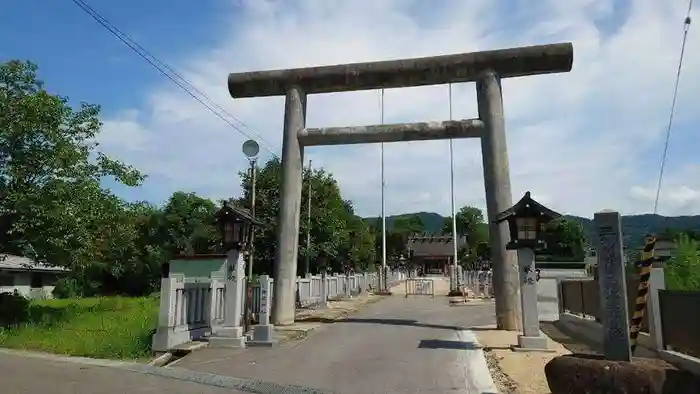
[[485, 68]]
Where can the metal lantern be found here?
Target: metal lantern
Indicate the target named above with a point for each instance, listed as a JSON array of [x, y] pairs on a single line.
[[235, 226], [527, 220]]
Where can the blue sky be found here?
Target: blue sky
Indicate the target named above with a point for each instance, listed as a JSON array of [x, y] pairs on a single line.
[[582, 141], [81, 59]]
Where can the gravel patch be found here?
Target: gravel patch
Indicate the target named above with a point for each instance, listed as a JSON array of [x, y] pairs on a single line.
[[505, 384]]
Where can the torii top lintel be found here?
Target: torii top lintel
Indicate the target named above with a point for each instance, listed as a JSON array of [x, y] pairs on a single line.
[[435, 70]]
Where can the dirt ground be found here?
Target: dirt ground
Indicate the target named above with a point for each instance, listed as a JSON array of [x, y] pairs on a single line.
[[515, 372]]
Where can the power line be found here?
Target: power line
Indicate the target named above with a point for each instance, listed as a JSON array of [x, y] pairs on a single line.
[[686, 27], [170, 73]]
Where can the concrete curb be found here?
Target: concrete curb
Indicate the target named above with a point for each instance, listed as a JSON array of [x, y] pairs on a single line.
[[69, 359], [246, 385], [474, 362]]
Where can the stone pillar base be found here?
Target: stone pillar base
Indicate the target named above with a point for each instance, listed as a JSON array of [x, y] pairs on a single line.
[[531, 344], [383, 293], [263, 336], [228, 337]]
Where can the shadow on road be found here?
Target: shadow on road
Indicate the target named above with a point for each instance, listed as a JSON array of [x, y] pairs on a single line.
[[475, 329], [400, 322], [444, 344]]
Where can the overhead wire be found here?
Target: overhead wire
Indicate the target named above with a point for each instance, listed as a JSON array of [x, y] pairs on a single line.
[[174, 76], [686, 27]]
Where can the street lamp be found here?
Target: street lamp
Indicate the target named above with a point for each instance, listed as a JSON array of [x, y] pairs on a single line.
[[250, 150], [527, 220]]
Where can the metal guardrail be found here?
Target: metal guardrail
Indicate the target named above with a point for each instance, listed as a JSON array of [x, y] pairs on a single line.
[[420, 286]]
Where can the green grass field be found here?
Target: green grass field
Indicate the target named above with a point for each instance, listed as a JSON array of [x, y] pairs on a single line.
[[106, 327]]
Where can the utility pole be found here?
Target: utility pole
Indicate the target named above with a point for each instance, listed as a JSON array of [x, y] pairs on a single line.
[[307, 271]]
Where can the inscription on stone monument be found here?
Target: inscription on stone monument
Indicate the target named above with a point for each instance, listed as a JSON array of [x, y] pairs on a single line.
[[616, 342], [263, 299]]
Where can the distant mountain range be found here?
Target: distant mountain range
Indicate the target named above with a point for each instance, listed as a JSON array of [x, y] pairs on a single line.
[[634, 227]]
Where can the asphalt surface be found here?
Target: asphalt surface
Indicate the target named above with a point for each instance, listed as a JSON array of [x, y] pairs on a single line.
[[32, 375], [398, 345]]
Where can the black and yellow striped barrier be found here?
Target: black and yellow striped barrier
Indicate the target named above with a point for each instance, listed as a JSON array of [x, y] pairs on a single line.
[[644, 264]]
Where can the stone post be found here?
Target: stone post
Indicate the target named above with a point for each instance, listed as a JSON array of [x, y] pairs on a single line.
[[166, 317], [324, 288], [348, 290], [656, 282], [263, 333], [498, 198], [613, 288], [285, 268], [531, 338], [213, 303], [231, 333]]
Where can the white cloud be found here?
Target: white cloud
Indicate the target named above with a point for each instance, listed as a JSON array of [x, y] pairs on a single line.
[[581, 142]]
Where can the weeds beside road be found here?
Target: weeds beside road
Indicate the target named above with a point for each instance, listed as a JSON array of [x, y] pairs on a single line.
[[104, 327]]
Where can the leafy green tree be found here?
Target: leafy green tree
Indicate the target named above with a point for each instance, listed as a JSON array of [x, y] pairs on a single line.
[[470, 223], [187, 224], [409, 224], [565, 239], [51, 203], [682, 271], [336, 233]]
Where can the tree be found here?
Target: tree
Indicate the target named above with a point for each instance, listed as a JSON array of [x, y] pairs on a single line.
[[52, 205], [565, 239], [187, 224], [470, 224], [408, 224], [683, 269], [336, 233]]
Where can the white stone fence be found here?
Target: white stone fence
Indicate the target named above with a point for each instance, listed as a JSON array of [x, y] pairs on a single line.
[[191, 308], [480, 282], [311, 290]]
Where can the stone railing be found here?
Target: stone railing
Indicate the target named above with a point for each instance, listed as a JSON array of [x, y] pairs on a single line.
[[479, 282], [313, 291], [191, 308]]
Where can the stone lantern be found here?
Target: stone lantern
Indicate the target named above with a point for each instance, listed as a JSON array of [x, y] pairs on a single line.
[[527, 220], [235, 226]]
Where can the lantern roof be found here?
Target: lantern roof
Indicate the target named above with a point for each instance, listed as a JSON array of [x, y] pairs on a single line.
[[229, 210], [527, 207]]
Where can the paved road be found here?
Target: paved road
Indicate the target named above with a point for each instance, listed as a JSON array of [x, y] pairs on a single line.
[[31, 375], [399, 345]]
